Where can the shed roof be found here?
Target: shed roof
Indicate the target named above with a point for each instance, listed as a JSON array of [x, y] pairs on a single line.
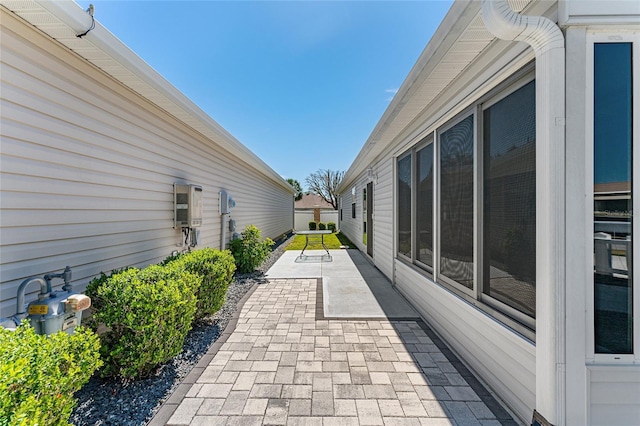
[[311, 201], [64, 20]]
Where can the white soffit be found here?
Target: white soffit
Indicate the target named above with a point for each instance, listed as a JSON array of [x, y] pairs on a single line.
[[430, 77], [130, 70]]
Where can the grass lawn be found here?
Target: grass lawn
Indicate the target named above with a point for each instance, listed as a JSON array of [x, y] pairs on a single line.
[[332, 241]]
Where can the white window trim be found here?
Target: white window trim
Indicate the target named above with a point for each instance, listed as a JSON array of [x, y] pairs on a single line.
[[594, 37]]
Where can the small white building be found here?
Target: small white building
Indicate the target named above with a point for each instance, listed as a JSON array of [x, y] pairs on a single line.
[[93, 141], [499, 193]]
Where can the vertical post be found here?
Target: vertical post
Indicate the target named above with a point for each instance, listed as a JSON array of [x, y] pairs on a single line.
[[547, 41]]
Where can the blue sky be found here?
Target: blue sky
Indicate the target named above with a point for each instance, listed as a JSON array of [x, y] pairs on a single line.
[[300, 83]]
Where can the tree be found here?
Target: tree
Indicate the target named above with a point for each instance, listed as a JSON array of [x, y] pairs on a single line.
[[297, 187], [324, 183]]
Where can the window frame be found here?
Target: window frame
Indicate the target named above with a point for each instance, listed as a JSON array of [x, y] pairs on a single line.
[[593, 38], [487, 102], [509, 316], [408, 153], [429, 139], [440, 277]]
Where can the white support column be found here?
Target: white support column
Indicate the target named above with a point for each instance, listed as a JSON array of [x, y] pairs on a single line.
[[547, 40]]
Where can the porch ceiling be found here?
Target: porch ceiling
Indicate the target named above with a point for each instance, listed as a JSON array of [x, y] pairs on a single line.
[[458, 41], [63, 20]]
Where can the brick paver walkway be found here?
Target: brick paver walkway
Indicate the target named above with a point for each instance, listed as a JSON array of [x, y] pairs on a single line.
[[281, 365]]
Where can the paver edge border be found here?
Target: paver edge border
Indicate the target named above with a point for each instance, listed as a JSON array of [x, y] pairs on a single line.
[[169, 406]]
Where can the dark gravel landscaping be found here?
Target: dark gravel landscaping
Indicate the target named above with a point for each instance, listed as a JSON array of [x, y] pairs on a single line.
[[112, 402]]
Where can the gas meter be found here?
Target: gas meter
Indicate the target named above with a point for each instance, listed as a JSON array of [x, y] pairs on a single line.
[[54, 310]]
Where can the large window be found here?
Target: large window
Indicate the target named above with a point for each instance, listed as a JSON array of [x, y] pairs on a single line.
[[424, 203], [613, 200], [404, 206], [456, 202], [471, 222], [509, 138]]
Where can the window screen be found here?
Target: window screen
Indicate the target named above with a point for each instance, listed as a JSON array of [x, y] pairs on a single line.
[[509, 134], [404, 206], [456, 206], [424, 201]]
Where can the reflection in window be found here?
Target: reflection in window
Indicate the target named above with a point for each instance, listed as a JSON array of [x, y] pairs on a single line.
[[424, 200], [509, 269], [456, 208], [612, 198], [404, 206]]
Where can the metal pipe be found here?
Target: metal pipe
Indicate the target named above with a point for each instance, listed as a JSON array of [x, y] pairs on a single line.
[[20, 309]]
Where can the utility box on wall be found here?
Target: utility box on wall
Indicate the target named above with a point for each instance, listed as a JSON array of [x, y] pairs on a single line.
[[187, 206], [226, 203]]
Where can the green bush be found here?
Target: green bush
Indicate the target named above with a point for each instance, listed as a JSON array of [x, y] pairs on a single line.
[[39, 374], [216, 268], [312, 226], [248, 250], [322, 226], [147, 312], [331, 226]]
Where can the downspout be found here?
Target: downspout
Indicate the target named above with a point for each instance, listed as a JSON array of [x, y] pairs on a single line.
[[547, 41]]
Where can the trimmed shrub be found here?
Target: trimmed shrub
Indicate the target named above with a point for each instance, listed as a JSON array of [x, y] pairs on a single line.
[[39, 374], [216, 267], [147, 312], [322, 226], [312, 226], [248, 250], [331, 226]]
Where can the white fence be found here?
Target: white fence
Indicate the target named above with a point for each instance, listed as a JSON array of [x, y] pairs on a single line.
[[303, 217]]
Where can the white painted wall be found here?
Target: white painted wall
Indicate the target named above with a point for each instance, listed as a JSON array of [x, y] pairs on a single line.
[[88, 166], [303, 217]]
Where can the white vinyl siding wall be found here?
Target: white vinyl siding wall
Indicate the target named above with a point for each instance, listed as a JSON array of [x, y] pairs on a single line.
[[614, 395], [88, 167], [383, 217], [351, 227]]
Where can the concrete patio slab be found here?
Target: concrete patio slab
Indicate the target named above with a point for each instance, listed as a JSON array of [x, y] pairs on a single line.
[[352, 286]]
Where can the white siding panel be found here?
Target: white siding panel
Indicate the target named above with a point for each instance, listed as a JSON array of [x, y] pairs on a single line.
[[383, 217], [354, 226], [505, 361], [614, 395], [348, 225], [87, 171]]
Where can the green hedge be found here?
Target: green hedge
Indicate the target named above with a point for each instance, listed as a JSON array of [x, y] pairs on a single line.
[[39, 374], [331, 226], [216, 267], [249, 250], [312, 226], [322, 226], [148, 314]]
